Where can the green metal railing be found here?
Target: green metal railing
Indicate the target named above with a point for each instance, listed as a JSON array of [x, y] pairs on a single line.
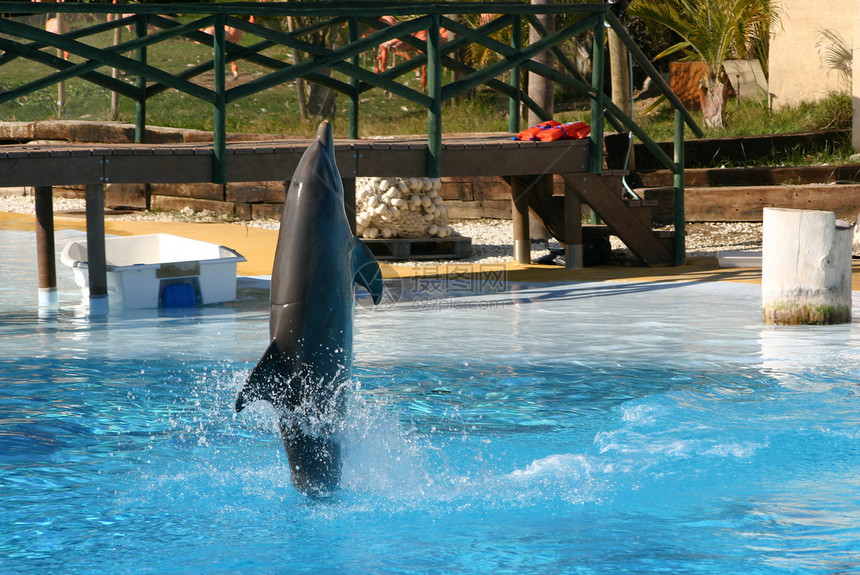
[[20, 39]]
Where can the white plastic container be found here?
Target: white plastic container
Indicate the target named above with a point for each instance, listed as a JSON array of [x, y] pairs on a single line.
[[140, 268]]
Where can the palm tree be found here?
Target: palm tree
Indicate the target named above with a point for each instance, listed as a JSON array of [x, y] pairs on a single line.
[[713, 31]]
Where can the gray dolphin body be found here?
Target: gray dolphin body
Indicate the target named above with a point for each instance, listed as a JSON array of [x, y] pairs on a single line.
[[308, 363]]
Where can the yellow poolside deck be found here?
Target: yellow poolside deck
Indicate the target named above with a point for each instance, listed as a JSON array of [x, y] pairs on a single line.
[[258, 247]]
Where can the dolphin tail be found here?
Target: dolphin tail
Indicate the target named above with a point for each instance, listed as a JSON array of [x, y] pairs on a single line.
[[366, 270], [266, 381]]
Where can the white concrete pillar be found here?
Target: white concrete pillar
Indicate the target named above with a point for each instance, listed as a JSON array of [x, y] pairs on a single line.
[[806, 267]]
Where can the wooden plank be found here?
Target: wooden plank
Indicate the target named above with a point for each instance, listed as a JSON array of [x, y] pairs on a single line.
[[393, 249], [390, 162], [474, 161], [124, 151], [515, 160], [276, 166], [746, 204], [80, 153], [757, 176], [255, 161], [174, 204], [51, 171], [346, 160], [239, 151], [199, 190], [170, 169], [14, 154], [271, 192], [40, 153]]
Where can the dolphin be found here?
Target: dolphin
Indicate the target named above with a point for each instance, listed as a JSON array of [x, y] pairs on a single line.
[[305, 370]]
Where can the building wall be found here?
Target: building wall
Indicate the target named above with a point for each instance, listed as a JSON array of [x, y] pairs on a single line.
[[796, 69]]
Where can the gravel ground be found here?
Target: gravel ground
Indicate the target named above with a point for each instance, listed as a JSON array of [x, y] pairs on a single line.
[[492, 240]]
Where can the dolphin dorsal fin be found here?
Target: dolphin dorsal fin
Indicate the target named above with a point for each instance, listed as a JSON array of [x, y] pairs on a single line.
[[267, 380], [366, 270]]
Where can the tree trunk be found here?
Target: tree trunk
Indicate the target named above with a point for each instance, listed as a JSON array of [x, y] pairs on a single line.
[[712, 97], [541, 89], [321, 101], [619, 69], [620, 73], [300, 83]]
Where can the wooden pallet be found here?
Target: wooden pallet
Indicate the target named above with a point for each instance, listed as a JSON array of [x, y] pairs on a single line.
[[420, 248]]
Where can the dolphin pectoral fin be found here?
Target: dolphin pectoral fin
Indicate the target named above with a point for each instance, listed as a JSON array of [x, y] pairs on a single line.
[[367, 272], [267, 381]]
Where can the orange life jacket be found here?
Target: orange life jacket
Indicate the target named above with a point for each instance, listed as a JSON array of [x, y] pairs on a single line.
[[531, 133], [569, 131]]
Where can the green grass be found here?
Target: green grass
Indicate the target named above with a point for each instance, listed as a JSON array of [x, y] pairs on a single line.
[[749, 118], [274, 111]]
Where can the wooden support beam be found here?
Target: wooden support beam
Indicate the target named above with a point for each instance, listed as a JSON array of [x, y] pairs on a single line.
[[572, 229], [96, 264], [45, 247], [520, 216]]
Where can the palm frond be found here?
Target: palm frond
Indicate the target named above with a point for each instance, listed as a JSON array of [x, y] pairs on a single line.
[[716, 30]]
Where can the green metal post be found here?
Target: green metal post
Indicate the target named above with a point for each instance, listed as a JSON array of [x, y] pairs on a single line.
[[219, 115], [140, 26], [596, 152], [515, 101], [680, 216], [353, 82], [434, 90]]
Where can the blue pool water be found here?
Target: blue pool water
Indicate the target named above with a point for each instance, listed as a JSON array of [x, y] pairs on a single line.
[[581, 428]]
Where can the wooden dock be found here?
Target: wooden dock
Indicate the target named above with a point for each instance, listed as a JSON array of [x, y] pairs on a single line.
[[493, 154], [525, 165]]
